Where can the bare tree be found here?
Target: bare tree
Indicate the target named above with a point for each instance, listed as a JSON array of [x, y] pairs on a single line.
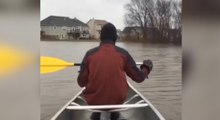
[[177, 21], [160, 16], [164, 18], [177, 14], [139, 13]]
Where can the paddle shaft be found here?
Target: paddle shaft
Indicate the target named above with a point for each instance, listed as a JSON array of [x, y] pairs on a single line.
[[52, 64], [76, 64]]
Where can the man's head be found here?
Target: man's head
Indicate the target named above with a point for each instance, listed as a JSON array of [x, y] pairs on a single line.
[[108, 32]]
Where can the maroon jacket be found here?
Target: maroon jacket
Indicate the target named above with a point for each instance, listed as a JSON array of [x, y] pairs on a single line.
[[103, 74]]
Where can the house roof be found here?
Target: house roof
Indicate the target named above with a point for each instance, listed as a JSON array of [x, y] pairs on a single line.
[[137, 28], [129, 29], [100, 21], [96, 21], [62, 21]]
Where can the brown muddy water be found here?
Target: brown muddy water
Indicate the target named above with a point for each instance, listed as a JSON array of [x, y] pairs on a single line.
[[162, 89]]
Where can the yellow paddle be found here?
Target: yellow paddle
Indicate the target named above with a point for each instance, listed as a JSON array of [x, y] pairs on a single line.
[[52, 64], [12, 59]]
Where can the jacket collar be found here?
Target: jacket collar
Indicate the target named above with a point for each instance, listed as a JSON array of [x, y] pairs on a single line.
[[107, 42]]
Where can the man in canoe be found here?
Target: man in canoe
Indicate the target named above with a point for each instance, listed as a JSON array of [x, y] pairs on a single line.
[[103, 69]]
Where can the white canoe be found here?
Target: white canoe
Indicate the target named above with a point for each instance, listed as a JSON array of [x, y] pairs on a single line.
[[136, 107]]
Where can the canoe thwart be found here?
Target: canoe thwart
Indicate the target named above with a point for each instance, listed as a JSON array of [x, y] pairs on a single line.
[[98, 107], [139, 102], [81, 98], [76, 104]]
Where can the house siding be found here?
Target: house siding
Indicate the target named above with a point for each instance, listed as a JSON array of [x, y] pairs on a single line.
[[63, 32], [59, 32], [95, 27]]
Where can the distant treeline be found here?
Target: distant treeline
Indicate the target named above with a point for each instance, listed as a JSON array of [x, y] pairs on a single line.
[[155, 21]]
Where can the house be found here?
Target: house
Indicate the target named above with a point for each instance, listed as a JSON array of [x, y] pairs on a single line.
[[57, 27], [131, 33], [119, 34], [136, 33], [95, 27]]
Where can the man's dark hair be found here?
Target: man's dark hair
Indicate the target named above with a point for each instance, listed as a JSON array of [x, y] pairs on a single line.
[[108, 32]]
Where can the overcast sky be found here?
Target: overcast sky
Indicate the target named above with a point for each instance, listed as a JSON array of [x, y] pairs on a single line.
[[109, 10]]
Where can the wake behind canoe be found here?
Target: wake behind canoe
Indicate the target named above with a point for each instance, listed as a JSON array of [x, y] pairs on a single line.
[[136, 107]]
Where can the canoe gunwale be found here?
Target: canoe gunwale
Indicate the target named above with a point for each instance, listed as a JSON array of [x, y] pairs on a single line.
[[150, 105], [67, 104]]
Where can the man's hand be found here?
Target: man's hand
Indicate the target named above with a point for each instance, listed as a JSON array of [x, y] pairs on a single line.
[[145, 71], [147, 64]]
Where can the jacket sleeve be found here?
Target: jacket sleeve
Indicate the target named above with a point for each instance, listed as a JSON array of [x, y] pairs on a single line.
[[132, 70], [83, 73]]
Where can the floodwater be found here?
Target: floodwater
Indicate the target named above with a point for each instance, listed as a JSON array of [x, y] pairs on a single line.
[[162, 89]]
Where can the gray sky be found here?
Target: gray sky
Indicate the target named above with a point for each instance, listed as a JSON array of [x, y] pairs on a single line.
[[109, 10]]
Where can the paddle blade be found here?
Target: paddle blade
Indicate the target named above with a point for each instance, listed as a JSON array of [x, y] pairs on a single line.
[[51, 64], [12, 59]]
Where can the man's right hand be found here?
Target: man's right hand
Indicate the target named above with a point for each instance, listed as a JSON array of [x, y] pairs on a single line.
[[147, 64]]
